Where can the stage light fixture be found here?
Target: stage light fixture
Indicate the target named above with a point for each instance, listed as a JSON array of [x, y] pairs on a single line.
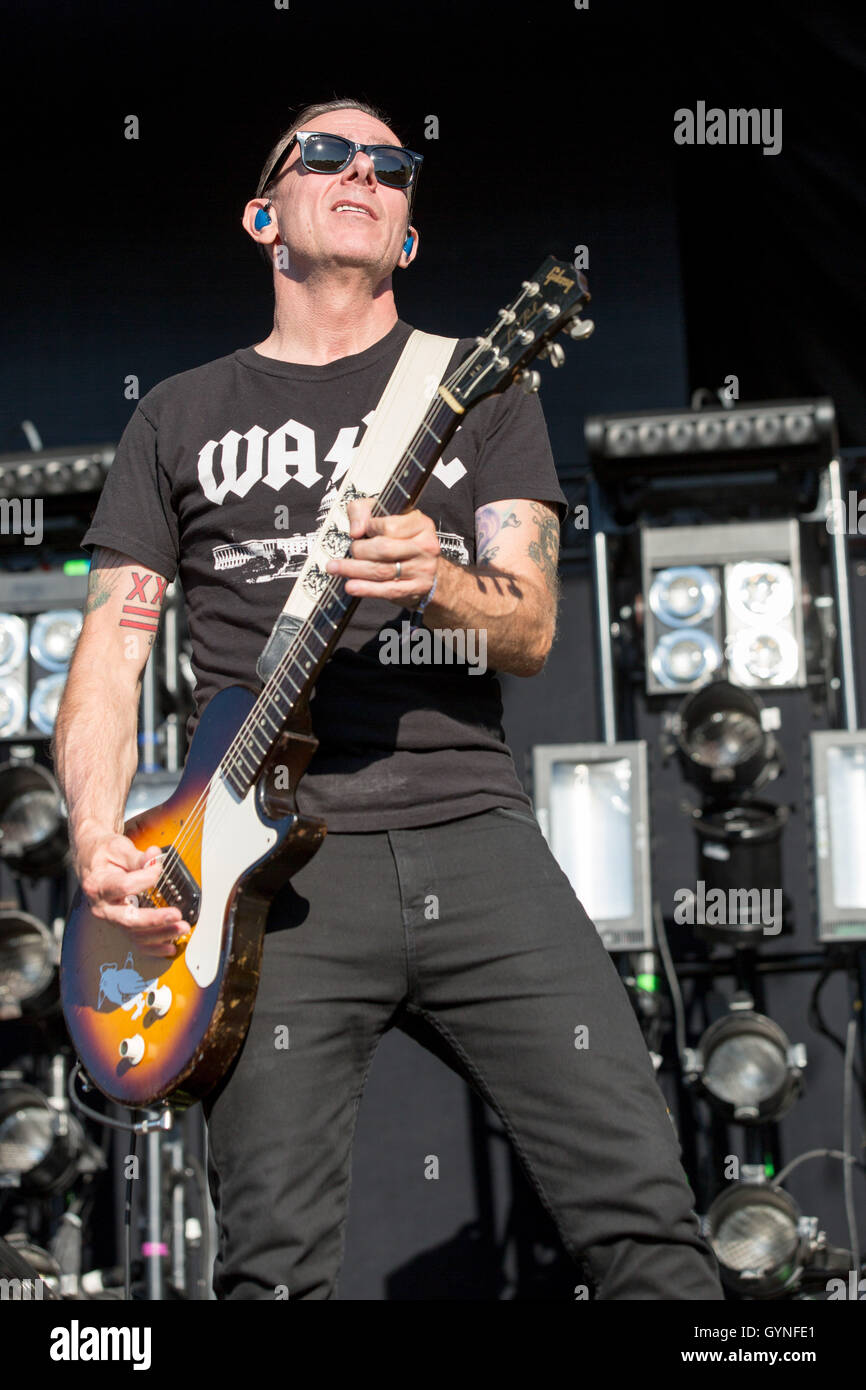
[[685, 658], [759, 592], [33, 831], [28, 965], [13, 707], [40, 621], [722, 601], [54, 471], [591, 801], [13, 642], [760, 1239], [746, 1067], [838, 771], [40, 1144], [45, 701], [684, 594], [53, 637], [739, 891], [722, 740], [743, 432], [763, 648]]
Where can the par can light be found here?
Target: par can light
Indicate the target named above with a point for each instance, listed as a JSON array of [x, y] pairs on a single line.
[[747, 1068], [28, 965], [760, 1240], [721, 741], [33, 833], [39, 1144]]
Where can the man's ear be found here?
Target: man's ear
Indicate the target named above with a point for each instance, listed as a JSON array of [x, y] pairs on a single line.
[[266, 233], [407, 257]]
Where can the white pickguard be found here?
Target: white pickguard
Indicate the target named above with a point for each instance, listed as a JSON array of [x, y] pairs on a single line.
[[233, 838]]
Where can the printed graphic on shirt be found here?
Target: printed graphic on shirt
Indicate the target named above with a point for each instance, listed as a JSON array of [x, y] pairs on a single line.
[[235, 463], [283, 557]]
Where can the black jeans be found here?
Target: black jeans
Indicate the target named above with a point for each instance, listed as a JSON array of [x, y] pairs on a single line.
[[472, 925]]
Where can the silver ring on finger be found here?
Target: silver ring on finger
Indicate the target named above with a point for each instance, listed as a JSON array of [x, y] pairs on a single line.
[[397, 570]]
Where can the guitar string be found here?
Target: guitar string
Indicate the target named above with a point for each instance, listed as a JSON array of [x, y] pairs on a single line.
[[234, 754], [231, 759]]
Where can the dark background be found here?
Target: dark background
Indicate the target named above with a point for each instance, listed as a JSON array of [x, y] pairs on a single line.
[[555, 129]]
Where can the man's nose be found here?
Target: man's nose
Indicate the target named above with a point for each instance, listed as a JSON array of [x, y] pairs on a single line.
[[361, 168]]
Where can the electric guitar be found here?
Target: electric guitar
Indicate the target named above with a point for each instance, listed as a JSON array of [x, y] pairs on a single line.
[[151, 1029]]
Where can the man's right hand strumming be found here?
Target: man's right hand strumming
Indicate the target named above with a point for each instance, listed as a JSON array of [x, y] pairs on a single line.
[[113, 875]]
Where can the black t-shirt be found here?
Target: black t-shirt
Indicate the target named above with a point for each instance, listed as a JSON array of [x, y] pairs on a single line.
[[223, 476]]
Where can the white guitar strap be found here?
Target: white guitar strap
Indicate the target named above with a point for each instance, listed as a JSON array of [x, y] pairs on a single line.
[[402, 407]]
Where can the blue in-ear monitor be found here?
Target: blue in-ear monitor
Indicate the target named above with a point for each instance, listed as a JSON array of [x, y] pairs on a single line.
[[408, 244], [262, 220]]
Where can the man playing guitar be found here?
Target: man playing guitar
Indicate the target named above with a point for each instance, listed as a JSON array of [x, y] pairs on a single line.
[[434, 901]]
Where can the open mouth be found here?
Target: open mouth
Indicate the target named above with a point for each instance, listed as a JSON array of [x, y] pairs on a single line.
[[350, 208]]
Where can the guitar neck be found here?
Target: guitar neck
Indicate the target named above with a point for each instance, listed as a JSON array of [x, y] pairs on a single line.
[[296, 673], [546, 305]]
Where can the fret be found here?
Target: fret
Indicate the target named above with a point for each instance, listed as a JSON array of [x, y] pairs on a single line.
[[295, 671], [275, 727]]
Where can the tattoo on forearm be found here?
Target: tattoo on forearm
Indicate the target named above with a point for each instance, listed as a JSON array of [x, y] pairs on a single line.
[[488, 523], [544, 551], [141, 609]]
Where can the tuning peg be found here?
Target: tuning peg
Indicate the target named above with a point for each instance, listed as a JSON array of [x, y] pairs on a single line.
[[555, 354], [580, 328], [530, 381]]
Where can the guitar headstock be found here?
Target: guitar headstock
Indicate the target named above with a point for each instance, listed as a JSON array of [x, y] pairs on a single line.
[[548, 304]]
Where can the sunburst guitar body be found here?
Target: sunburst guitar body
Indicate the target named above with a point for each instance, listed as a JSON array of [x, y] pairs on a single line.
[[151, 1028]]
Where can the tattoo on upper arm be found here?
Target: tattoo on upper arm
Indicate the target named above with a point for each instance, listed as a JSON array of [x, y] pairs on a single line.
[[544, 551], [99, 590], [488, 523], [142, 605], [490, 553]]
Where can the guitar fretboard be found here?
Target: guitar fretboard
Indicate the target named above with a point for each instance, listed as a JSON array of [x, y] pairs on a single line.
[[298, 669]]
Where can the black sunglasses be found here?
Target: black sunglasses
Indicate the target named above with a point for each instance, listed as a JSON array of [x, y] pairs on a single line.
[[322, 153]]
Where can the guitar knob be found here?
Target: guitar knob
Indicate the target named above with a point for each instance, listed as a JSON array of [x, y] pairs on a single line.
[[132, 1049], [556, 354], [530, 381], [159, 1000], [580, 328]]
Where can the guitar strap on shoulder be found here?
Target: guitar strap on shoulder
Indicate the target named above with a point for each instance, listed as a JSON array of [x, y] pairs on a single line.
[[402, 407]]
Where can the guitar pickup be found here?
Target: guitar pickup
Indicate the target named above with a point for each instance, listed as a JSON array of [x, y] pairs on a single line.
[[178, 888]]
